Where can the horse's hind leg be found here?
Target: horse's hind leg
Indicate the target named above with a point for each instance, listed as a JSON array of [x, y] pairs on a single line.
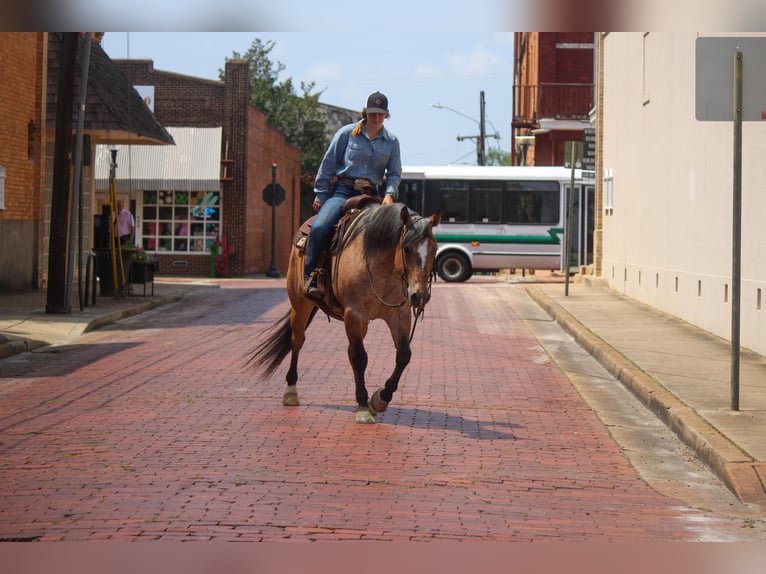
[[300, 318]]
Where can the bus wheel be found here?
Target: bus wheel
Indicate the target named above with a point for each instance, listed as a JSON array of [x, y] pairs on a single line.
[[454, 267]]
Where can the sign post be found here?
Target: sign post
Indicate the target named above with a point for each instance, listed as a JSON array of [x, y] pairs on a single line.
[[574, 149], [273, 195], [722, 95]]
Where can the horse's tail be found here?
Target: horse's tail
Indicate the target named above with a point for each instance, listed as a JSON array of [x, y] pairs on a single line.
[[268, 355]]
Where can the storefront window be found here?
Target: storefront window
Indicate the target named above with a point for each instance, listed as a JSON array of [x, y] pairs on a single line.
[[180, 221]]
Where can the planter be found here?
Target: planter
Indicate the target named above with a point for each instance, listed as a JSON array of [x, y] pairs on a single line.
[[142, 272]]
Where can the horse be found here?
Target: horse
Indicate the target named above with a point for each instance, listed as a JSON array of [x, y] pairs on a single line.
[[383, 269]]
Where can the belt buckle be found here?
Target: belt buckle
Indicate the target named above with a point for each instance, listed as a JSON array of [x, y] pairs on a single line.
[[361, 184]]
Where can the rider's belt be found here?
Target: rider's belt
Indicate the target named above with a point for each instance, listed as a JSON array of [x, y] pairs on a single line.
[[358, 184]]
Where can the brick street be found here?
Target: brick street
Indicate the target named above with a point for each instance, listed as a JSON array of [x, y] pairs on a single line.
[[154, 429]]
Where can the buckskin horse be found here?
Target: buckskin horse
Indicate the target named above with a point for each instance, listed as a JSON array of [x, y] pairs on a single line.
[[381, 268]]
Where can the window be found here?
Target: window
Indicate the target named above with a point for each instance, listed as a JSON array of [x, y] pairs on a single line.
[[180, 221], [450, 197], [532, 202], [608, 191], [2, 187], [486, 198]]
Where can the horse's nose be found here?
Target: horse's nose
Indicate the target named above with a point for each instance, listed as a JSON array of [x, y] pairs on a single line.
[[419, 299]]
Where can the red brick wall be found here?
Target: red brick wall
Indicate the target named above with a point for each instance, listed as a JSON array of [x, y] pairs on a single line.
[[23, 59], [20, 97], [565, 65], [267, 147]]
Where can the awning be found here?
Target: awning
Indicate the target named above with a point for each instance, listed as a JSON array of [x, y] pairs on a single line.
[[193, 164], [548, 125]]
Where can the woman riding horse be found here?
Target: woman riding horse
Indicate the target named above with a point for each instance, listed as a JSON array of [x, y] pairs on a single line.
[[359, 157]]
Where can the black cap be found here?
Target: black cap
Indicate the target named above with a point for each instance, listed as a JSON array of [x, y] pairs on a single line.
[[377, 103]]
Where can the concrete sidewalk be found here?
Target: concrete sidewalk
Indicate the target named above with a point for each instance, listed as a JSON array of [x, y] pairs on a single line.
[[680, 372], [24, 324]]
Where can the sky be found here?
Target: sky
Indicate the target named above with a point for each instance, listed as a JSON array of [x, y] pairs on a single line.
[[415, 71]]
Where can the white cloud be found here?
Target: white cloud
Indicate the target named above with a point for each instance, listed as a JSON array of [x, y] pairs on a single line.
[[324, 72], [475, 63]]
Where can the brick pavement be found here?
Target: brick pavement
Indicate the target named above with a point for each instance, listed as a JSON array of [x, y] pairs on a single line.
[[142, 432]]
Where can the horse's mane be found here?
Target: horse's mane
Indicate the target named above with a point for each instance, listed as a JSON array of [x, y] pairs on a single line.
[[382, 228]]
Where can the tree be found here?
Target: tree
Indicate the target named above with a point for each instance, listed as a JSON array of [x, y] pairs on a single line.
[[294, 114], [496, 156]]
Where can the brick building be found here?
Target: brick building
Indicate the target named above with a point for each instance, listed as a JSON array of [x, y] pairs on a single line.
[[114, 113], [22, 168], [235, 210], [553, 94]]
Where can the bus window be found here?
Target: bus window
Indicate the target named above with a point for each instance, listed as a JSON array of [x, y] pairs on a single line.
[[449, 197], [411, 195], [532, 202], [486, 198]]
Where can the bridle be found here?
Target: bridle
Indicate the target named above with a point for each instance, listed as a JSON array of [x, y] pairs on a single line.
[[417, 313]]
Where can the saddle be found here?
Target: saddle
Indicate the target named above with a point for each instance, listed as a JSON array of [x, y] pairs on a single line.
[[351, 209]]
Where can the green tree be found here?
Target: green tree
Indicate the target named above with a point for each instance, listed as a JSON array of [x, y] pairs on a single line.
[[496, 156], [293, 112]]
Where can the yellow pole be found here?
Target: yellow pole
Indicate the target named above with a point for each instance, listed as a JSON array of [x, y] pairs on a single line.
[[118, 280]]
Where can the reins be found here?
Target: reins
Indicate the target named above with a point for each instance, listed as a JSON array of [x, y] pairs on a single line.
[[417, 313]]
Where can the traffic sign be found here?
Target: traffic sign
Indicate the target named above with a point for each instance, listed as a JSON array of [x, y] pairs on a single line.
[[273, 194]]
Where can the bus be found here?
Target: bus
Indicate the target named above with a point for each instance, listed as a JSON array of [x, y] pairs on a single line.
[[502, 217]]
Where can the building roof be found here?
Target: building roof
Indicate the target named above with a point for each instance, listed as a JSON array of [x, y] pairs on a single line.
[[114, 111]]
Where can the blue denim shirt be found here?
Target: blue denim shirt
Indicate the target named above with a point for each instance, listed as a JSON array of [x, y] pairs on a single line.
[[360, 157]]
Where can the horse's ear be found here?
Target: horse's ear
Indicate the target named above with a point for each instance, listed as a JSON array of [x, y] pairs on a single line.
[[405, 215], [435, 219]]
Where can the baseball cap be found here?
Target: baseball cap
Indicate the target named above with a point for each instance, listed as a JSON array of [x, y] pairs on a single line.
[[377, 103]]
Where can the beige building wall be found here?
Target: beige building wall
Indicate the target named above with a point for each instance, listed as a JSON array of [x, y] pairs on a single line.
[[667, 233]]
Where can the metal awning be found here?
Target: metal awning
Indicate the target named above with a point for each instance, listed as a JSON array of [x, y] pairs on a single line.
[[193, 164], [548, 125]]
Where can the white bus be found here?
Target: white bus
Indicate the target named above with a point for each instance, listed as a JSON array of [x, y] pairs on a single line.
[[501, 217]]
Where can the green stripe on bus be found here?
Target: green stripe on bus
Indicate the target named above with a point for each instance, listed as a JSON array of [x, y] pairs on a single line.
[[551, 239]]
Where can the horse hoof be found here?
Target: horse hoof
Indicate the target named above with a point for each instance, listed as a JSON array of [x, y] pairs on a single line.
[[290, 398], [364, 416], [376, 404]]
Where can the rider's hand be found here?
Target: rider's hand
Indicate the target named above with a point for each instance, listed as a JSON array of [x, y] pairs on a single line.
[[388, 199]]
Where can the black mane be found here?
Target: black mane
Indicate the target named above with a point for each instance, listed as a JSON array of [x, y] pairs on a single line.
[[382, 227]]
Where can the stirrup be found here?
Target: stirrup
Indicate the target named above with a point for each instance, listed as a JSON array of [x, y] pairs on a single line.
[[311, 288]]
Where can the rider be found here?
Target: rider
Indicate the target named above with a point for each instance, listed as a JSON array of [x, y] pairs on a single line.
[[359, 157]]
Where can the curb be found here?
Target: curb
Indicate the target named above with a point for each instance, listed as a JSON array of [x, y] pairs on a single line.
[[739, 472], [115, 316], [13, 346]]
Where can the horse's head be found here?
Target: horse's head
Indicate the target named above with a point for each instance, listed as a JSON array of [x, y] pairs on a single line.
[[418, 252]]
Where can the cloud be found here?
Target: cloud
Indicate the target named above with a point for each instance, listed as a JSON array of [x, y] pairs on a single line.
[[325, 72], [475, 63]]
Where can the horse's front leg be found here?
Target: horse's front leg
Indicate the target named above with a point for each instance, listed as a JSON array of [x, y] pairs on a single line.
[[400, 329], [356, 330]]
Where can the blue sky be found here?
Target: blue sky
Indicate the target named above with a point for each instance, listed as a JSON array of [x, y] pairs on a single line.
[[414, 70]]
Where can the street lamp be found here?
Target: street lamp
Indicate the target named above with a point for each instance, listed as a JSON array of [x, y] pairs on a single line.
[[481, 158]]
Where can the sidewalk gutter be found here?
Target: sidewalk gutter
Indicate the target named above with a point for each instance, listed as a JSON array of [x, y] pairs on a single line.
[[735, 468]]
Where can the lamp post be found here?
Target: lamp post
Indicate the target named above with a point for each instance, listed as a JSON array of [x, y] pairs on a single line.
[[481, 156]]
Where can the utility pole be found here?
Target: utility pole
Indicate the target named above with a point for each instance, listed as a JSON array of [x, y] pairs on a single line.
[[60, 199], [480, 149], [481, 139]]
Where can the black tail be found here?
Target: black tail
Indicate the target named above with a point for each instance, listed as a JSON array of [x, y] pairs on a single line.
[[268, 355], [274, 348]]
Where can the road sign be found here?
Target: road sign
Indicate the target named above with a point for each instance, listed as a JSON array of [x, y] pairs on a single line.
[[269, 193], [714, 92]]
